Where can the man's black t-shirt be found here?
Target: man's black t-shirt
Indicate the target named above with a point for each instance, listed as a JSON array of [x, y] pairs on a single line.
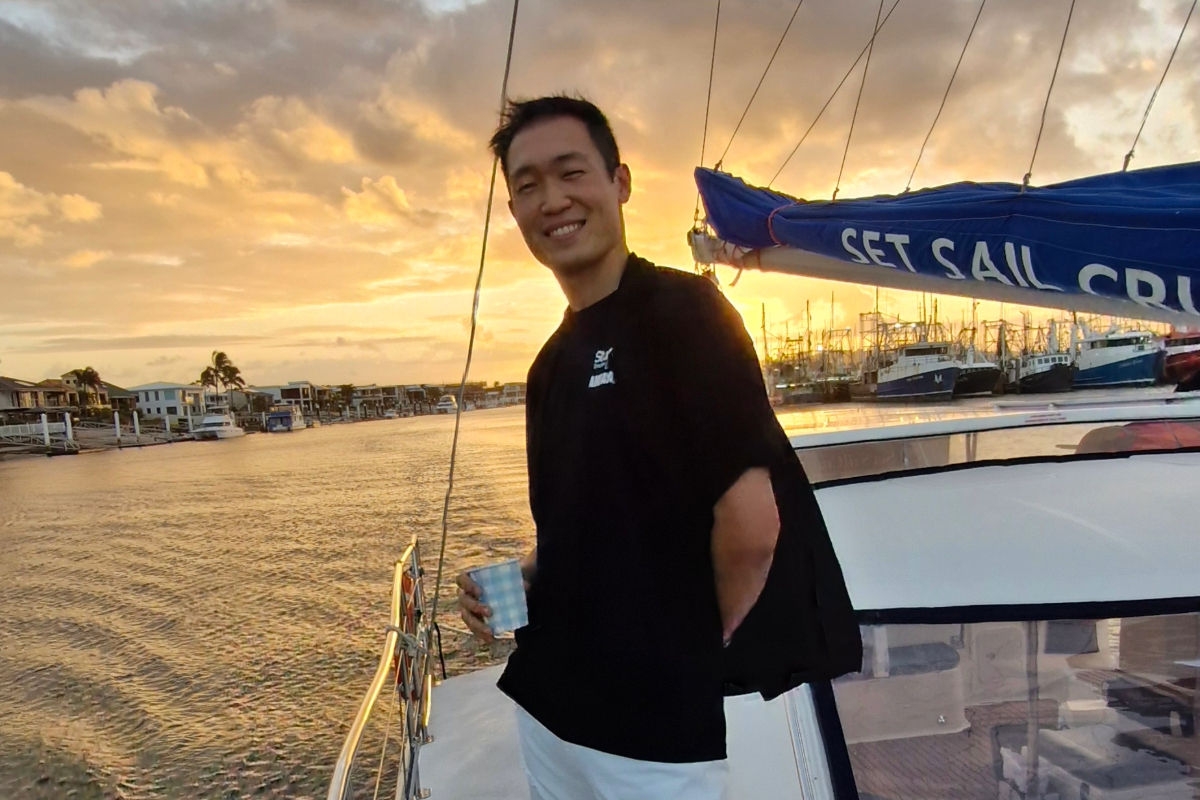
[[642, 409]]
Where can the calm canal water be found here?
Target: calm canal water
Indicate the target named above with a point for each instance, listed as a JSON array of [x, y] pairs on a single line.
[[201, 619]]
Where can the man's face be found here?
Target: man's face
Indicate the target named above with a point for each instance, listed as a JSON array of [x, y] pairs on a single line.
[[564, 201]]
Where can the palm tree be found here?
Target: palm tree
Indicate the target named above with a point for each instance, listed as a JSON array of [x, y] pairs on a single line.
[[231, 376], [88, 378], [346, 390], [209, 377], [219, 363]]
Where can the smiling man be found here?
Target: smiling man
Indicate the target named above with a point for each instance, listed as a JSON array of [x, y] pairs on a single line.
[[659, 479]]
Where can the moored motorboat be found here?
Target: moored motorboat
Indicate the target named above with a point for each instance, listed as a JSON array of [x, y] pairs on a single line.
[[284, 419], [217, 426]]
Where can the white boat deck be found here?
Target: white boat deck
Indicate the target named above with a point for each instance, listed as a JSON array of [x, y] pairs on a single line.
[[988, 536], [1098, 530], [475, 751]]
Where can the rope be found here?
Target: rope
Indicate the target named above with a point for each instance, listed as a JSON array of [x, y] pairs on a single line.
[[437, 589], [746, 110], [945, 96], [1061, 46], [837, 89], [858, 100], [1154, 94], [707, 105], [437, 629]]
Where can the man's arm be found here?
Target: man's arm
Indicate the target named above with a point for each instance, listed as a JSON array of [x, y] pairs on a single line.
[[745, 528]]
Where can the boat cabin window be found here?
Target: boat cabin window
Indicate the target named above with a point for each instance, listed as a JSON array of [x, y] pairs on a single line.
[[1122, 342], [1069, 708], [865, 459], [930, 350]]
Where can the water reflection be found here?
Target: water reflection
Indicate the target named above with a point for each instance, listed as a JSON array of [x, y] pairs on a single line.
[[201, 619]]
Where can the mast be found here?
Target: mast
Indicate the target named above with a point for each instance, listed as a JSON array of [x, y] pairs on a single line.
[[766, 347]]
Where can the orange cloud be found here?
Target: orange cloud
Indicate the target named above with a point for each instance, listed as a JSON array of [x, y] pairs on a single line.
[[298, 131], [82, 259], [380, 202], [19, 205]]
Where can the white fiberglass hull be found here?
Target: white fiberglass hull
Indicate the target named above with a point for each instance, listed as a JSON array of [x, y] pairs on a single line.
[[223, 433]]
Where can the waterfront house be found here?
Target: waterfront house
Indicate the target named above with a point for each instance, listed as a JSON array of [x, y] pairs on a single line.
[[324, 396], [512, 394], [293, 393], [240, 400], [22, 395], [83, 396], [120, 399], [60, 394], [19, 395], [367, 401], [395, 397], [170, 401]]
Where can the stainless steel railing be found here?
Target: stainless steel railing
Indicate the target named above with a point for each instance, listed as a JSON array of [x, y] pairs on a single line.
[[405, 666]]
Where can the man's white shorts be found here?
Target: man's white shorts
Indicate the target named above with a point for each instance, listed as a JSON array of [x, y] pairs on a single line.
[[559, 770]]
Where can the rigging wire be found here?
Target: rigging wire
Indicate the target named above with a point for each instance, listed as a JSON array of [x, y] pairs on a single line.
[[387, 730], [746, 110], [837, 89], [1154, 94], [858, 100], [1061, 46], [945, 96], [437, 588], [707, 104]]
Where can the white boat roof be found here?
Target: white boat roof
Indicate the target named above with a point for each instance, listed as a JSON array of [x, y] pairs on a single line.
[[1110, 529], [1000, 415], [1093, 530]]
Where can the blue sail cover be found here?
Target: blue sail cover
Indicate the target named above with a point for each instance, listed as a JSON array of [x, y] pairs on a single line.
[[1132, 237]]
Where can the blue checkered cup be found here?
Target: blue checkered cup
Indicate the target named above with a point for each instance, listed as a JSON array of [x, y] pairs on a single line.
[[502, 589]]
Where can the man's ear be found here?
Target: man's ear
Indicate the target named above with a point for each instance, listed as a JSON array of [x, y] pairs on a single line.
[[624, 182]]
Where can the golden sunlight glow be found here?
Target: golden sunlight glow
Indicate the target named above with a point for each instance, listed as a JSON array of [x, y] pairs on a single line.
[[307, 193]]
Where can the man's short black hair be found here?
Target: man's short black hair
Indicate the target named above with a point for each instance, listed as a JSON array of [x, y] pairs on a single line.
[[520, 114]]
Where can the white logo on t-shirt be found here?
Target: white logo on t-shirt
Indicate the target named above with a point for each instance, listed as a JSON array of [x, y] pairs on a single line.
[[601, 361]]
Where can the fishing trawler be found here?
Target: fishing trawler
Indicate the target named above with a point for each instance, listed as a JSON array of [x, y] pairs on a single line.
[[1117, 358], [1045, 373], [920, 371], [977, 375], [1182, 356]]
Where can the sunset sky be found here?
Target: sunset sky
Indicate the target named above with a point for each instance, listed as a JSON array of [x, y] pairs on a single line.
[[302, 184]]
